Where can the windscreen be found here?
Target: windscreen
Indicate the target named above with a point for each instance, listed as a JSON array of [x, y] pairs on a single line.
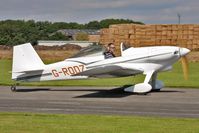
[[91, 50]]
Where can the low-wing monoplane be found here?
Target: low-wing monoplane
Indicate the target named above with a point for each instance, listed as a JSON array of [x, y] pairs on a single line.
[[90, 62]]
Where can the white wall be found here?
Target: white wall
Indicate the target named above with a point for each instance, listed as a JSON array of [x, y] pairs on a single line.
[[59, 43]]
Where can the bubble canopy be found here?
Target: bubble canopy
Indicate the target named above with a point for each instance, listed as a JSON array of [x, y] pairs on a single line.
[[91, 50]]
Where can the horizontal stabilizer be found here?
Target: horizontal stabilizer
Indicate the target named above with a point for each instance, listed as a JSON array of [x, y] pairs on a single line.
[[28, 71]]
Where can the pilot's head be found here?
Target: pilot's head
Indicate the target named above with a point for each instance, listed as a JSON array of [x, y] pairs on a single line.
[[111, 47]]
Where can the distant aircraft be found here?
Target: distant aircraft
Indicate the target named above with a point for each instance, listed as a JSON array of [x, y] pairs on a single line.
[[90, 62]]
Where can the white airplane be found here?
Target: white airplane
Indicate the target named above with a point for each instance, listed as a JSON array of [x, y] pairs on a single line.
[[90, 62]]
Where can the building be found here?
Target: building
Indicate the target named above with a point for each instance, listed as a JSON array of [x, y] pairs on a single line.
[[59, 43], [93, 35]]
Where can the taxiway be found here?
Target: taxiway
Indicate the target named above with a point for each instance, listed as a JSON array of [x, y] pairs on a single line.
[[170, 102]]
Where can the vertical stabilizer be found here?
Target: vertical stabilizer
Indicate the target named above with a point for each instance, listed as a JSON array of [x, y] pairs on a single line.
[[25, 59]]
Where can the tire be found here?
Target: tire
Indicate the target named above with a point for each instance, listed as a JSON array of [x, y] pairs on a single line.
[[13, 88]]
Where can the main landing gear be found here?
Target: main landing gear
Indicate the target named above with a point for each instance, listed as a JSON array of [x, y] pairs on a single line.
[[150, 84]]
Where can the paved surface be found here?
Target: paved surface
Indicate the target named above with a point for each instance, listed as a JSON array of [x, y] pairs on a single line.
[[170, 102]]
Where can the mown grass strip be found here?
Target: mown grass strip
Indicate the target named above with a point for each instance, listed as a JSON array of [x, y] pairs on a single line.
[[59, 123]]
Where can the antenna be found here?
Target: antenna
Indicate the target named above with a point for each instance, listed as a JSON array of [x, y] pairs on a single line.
[[179, 18]]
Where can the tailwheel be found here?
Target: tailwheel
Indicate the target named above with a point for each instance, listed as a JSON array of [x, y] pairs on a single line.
[[13, 88]]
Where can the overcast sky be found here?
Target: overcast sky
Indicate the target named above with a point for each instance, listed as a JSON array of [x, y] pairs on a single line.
[[83, 11]]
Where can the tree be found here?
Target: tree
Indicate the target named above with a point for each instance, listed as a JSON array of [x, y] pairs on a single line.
[[13, 32], [58, 36], [93, 25], [18, 39], [106, 22]]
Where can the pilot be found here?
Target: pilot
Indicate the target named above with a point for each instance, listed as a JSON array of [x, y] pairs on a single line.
[[109, 53]]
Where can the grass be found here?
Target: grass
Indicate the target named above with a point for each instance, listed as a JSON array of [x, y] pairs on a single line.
[[171, 79], [175, 77], [58, 123]]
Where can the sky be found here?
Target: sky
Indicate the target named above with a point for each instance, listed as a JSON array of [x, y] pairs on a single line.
[[83, 11]]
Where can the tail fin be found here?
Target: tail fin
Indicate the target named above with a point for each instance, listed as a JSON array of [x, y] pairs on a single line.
[[25, 59]]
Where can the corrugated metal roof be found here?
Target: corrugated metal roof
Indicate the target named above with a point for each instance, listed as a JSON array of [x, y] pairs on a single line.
[[71, 32]]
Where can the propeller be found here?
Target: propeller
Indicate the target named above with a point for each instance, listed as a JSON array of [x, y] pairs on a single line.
[[185, 67], [184, 61]]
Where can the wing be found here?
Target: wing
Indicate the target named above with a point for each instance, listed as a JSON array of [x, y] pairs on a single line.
[[115, 70], [125, 69]]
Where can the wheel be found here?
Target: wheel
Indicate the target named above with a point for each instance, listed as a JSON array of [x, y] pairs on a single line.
[[13, 88]]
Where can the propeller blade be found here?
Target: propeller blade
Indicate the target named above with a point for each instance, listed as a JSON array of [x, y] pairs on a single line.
[[185, 67]]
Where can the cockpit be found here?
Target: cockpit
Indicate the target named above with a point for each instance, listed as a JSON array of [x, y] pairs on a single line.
[[95, 50]]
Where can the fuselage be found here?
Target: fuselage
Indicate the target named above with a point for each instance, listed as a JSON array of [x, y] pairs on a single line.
[[159, 57]]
